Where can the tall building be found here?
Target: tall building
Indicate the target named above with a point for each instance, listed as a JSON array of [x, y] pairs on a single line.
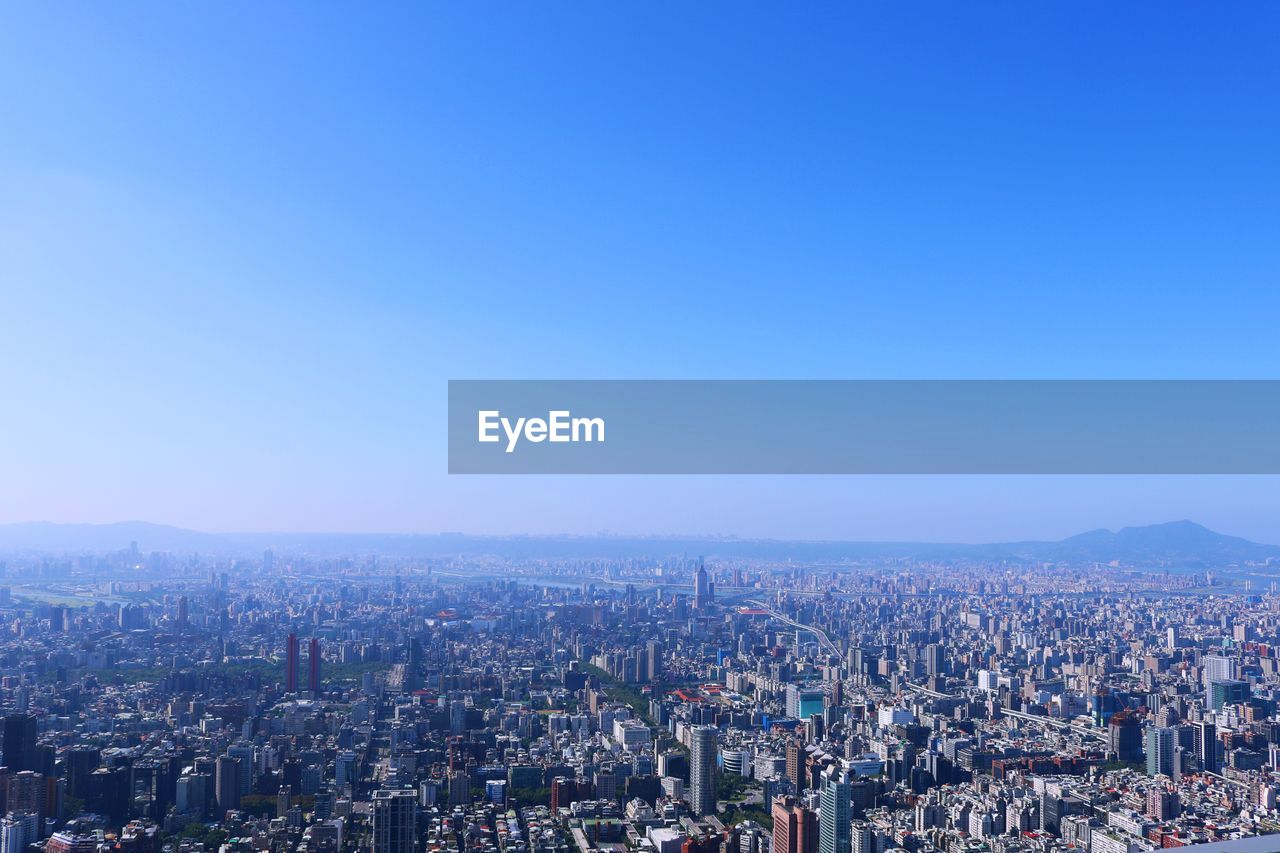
[[795, 828], [1124, 736], [1160, 744], [701, 588], [226, 786], [17, 830], [796, 758], [20, 742], [1205, 739], [1162, 804], [395, 821], [291, 664], [933, 659], [1229, 692], [653, 650], [27, 791], [245, 754], [457, 716], [862, 837], [804, 702], [80, 762], [702, 769], [313, 659], [1217, 668], [835, 812]]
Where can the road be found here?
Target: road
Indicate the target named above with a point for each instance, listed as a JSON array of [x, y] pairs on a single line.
[[823, 639]]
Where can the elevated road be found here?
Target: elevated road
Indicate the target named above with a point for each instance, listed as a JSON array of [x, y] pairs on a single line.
[[823, 639]]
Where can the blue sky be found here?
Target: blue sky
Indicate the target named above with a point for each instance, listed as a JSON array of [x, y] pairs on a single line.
[[245, 245]]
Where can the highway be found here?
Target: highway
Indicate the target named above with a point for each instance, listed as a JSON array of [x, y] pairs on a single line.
[[823, 639]]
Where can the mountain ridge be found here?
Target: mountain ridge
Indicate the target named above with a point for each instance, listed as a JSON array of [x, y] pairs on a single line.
[[1181, 542]]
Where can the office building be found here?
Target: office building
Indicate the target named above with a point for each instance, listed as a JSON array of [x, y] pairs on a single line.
[[702, 767], [835, 812], [395, 827]]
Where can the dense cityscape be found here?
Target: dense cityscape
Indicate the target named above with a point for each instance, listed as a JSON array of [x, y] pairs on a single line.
[[677, 705]]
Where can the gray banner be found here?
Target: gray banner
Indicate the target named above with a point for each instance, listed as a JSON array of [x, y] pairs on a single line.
[[864, 427]]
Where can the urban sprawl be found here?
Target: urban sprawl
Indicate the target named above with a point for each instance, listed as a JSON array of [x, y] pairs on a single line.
[[680, 705]]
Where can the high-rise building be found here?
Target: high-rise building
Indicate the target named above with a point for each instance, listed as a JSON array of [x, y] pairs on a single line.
[[80, 762], [702, 769], [804, 702], [795, 828], [459, 788], [313, 659], [17, 830], [1160, 744], [26, 791], [245, 754], [457, 716], [226, 786], [1124, 736], [701, 588], [933, 659], [1205, 739], [1162, 804], [1217, 668], [862, 837], [395, 824], [291, 664], [284, 799], [1229, 692], [796, 758], [653, 651], [20, 742], [835, 811]]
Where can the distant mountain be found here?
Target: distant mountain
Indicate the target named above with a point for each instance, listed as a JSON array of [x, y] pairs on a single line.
[[44, 536], [1181, 543], [1172, 542]]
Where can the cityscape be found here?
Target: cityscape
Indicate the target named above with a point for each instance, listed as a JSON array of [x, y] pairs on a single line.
[[157, 701], [604, 427]]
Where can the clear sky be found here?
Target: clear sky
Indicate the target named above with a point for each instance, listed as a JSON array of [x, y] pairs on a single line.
[[244, 245]]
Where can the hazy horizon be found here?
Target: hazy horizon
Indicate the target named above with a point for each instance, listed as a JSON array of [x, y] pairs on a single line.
[[603, 533]]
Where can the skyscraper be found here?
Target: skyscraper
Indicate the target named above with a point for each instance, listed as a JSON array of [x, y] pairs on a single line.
[[226, 784], [1124, 736], [313, 660], [795, 828], [1217, 668], [1205, 736], [291, 664], [653, 650], [933, 659], [17, 830], [1224, 693], [702, 768], [701, 588], [395, 826], [20, 742], [836, 811], [80, 762], [1160, 743]]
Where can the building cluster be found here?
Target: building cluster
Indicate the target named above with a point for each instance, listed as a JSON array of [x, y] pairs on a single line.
[[160, 704]]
